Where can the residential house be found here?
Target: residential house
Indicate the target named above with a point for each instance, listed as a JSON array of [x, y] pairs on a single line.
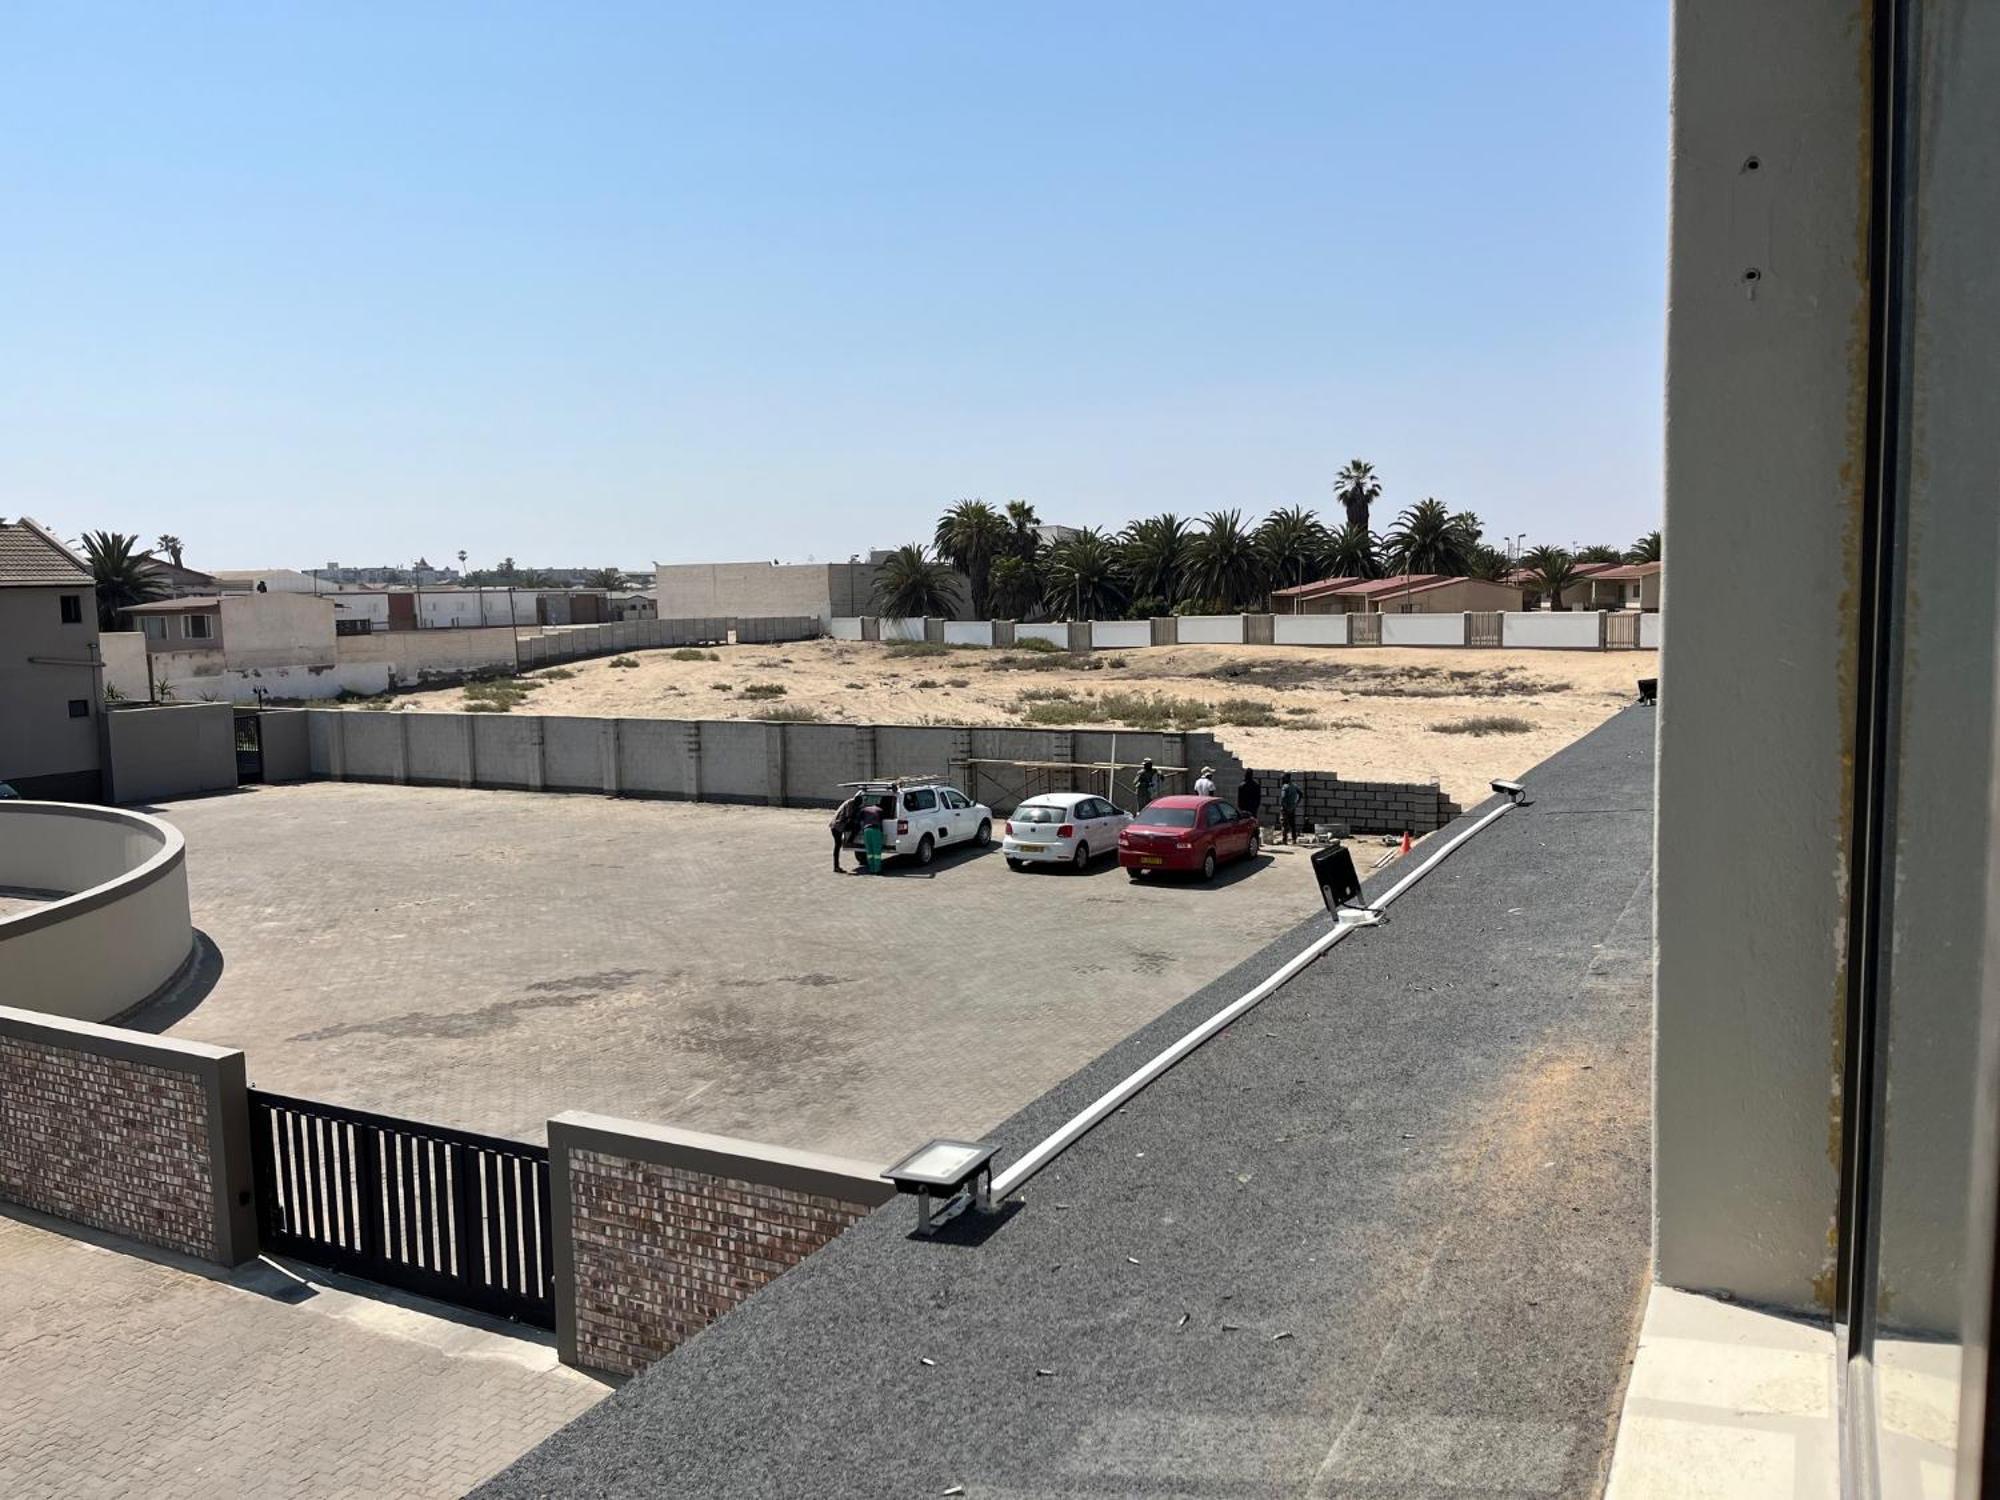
[[1630, 586], [172, 581], [1320, 597], [1579, 595], [51, 710], [231, 646]]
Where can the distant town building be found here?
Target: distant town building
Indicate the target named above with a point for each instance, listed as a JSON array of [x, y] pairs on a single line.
[[50, 694]]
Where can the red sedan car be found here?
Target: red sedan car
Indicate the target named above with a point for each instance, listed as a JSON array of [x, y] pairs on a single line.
[[1186, 834]]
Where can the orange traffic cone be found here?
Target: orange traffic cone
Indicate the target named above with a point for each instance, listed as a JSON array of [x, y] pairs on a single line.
[[1406, 842]]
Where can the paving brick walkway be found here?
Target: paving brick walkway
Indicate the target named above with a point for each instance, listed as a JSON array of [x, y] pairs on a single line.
[[122, 1374]]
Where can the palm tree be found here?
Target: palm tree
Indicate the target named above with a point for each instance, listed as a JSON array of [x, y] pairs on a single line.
[[120, 574], [1023, 541], [1645, 550], [507, 569], [1351, 553], [1551, 570], [1083, 578], [611, 580], [1427, 538], [910, 582], [1357, 488], [1226, 569], [461, 559], [171, 545], [1015, 587], [1155, 554], [1294, 544], [1601, 553], [1489, 563], [970, 536]]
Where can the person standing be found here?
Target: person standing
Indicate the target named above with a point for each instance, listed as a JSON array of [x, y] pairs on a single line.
[[1289, 798], [871, 835], [1204, 784], [1250, 796], [846, 818], [1146, 785]]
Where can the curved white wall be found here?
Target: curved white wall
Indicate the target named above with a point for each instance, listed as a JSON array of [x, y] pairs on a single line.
[[122, 932]]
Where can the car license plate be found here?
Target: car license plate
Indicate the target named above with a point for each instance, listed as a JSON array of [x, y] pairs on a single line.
[[1032, 848], [1151, 859]]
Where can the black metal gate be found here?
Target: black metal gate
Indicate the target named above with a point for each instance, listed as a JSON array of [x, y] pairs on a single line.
[[462, 1218], [249, 747]]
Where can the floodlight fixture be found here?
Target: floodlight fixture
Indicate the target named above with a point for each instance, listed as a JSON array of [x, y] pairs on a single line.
[[957, 1174], [1340, 886]]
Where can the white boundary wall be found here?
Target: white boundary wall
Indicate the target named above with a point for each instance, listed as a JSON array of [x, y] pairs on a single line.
[[1120, 633], [1309, 630], [123, 930], [1055, 633], [968, 632], [1210, 630], [1423, 630], [1649, 632], [1550, 629], [903, 630], [845, 628]]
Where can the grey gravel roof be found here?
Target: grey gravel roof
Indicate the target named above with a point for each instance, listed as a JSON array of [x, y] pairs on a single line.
[[32, 558], [1388, 1235]]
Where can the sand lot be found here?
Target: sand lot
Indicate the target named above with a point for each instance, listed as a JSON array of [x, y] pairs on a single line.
[[1368, 713]]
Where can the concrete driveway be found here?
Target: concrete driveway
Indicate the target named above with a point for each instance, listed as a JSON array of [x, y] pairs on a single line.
[[485, 959]]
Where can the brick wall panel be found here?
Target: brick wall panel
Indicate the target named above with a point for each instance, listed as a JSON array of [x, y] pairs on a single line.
[[115, 1144], [661, 1252]]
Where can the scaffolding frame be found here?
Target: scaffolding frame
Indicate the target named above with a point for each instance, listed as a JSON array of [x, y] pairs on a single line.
[[1041, 777]]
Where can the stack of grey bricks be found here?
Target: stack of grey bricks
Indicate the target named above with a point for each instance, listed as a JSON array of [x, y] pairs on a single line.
[[1362, 806]]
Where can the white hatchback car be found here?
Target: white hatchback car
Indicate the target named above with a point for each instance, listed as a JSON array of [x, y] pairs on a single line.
[[1062, 828]]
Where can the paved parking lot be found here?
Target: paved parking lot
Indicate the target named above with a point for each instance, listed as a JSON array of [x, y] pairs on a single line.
[[486, 959]]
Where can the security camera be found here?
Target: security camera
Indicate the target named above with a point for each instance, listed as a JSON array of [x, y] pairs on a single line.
[[1511, 789]]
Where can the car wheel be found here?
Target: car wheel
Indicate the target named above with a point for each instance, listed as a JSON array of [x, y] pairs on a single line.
[[1080, 861], [984, 836], [1208, 865], [1015, 864], [1256, 843], [926, 850]]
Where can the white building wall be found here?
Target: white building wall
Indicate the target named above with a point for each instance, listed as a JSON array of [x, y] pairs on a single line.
[[276, 630], [1424, 630], [124, 664], [1210, 630], [1120, 634], [1559, 629], [968, 632], [1309, 630]]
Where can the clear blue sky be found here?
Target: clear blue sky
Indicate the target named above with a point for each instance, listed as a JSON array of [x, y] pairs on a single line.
[[590, 283]]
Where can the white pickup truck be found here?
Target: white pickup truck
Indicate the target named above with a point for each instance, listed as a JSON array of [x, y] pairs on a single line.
[[921, 816]]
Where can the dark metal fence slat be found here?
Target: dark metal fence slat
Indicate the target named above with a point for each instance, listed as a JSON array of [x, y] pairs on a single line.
[[368, 1144]]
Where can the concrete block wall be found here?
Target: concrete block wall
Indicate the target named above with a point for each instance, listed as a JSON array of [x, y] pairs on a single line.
[[1363, 806], [749, 761], [659, 1232], [140, 1135], [174, 750]]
